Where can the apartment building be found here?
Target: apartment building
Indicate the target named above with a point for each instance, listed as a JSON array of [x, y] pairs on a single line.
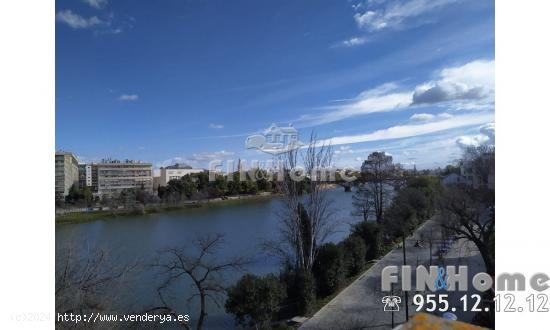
[[66, 173], [175, 172], [87, 176], [113, 176]]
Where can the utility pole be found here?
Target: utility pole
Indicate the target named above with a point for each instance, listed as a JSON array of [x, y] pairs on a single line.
[[431, 239], [406, 293]]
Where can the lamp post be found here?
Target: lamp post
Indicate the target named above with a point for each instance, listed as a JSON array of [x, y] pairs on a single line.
[[406, 293]]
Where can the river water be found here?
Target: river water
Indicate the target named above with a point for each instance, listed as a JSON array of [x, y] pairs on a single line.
[[245, 225]]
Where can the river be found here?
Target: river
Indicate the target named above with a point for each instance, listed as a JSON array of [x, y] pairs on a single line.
[[245, 225]]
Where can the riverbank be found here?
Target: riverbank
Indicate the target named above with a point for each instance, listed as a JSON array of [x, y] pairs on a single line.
[[77, 217], [91, 215]]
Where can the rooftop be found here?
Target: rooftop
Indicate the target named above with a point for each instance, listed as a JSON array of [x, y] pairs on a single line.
[[122, 162], [179, 166]]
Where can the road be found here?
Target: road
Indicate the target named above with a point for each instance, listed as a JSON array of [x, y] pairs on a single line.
[[359, 306]]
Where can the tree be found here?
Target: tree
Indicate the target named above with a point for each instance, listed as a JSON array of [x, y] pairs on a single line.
[[305, 217], [254, 300], [401, 217], [205, 273], [416, 200], [188, 186], [329, 269], [378, 172], [466, 213], [371, 235], [218, 188], [83, 282], [430, 188], [79, 196], [355, 251], [363, 201], [481, 160], [300, 290], [127, 197]]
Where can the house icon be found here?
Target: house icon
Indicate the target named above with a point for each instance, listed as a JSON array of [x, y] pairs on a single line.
[[275, 140]]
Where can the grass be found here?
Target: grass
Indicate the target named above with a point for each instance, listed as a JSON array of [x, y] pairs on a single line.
[[99, 215], [79, 217], [83, 216]]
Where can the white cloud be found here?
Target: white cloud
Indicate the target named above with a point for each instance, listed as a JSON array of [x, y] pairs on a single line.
[[444, 115], [472, 88], [207, 156], [422, 117], [215, 126], [427, 151], [76, 21], [486, 137], [394, 14], [128, 97], [472, 81], [380, 99], [198, 159], [344, 150], [97, 4], [352, 42], [411, 130]]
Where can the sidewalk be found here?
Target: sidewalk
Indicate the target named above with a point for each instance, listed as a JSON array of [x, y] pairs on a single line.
[[359, 306]]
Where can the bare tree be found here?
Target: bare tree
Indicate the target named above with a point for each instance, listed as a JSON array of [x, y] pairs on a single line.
[[363, 201], [205, 274], [84, 281], [466, 214], [307, 207], [378, 171], [481, 160]]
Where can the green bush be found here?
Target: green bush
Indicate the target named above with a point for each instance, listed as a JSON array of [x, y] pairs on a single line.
[[300, 291], [329, 269], [254, 300], [354, 250], [371, 234]]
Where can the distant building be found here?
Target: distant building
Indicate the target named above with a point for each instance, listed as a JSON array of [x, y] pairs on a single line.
[[113, 176], [484, 176], [452, 179], [175, 172], [87, 176], [156, 182], [475, 180], [66, 173]]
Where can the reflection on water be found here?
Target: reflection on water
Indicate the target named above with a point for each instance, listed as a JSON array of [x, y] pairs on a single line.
[[244, 224]]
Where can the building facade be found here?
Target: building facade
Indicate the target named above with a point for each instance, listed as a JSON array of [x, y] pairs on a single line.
[[113, 176], [66, 173], [175, 172], [87, 176]]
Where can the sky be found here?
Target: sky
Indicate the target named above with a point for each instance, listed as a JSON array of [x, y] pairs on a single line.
[[188, 81]]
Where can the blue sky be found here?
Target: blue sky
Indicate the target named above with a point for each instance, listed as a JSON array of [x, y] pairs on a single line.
[[189, 80]]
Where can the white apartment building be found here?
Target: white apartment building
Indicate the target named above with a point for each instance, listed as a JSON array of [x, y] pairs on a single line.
[[66, 173], [88, 176], [175, 172], [113, 176]]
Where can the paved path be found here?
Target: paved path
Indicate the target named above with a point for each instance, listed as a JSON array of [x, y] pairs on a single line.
[[359, 305]]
